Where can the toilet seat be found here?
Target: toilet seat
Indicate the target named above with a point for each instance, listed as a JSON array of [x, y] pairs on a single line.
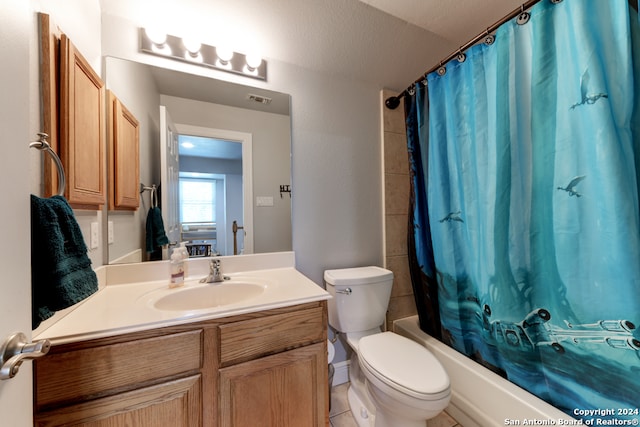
[[404, 365]]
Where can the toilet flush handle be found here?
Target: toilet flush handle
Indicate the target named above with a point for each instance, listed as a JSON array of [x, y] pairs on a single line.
[[346, 291]]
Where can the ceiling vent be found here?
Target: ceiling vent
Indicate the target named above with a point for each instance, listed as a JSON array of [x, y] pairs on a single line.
[[261, 99]]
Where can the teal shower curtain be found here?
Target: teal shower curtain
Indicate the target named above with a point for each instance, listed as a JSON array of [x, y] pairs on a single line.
[[526, 223]]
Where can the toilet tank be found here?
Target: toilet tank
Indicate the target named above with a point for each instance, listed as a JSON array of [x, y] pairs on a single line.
[[360, 297]]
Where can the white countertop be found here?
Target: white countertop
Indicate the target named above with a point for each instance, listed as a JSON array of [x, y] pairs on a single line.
[[128, 307]]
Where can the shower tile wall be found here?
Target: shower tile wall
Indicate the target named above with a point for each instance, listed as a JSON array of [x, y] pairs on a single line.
[[396, 196]]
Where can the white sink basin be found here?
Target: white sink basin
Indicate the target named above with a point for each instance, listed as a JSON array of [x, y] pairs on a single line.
[[204, 296]]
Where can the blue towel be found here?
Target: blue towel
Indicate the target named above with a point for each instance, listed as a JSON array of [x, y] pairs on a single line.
[[156, 237], [61, 273]]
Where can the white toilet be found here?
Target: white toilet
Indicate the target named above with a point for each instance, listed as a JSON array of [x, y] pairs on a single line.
[[394, 381]]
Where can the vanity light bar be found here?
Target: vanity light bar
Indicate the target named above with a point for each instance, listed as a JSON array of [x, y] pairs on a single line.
[[208, 56]]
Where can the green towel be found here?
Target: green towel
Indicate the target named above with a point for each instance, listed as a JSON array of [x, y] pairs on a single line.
[[155, 237], [61, 273]]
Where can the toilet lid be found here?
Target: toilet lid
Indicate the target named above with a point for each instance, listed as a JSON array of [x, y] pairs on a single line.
[[357, 276], [404, 365]]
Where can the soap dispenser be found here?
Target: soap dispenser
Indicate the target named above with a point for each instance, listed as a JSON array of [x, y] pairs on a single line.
[[184, 252], [177, 269]]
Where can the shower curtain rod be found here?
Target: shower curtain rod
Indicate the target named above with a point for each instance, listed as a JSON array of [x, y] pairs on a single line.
[[393, 101]]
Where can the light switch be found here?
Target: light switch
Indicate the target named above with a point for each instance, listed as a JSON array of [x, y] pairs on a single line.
[[264, 201]]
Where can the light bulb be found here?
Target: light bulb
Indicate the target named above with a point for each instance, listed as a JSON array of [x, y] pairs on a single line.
[[192, 45], [224, 54], [156, 35], [253, 61]]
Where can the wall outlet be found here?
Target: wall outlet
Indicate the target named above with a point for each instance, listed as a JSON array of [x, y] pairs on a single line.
[[264, 201], [95, 236], [110, 232]]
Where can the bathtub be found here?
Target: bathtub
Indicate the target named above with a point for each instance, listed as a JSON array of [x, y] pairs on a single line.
[[479, 397]]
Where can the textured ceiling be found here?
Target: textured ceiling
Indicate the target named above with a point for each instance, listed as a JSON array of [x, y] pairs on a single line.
[[385, 42]]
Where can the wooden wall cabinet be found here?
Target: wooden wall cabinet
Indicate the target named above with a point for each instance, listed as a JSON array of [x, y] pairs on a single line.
[[124, 156], [266, 369], [74, 117], [82, 128]]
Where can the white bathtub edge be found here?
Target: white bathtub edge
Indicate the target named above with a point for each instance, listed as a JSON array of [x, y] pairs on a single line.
[[479, 397]]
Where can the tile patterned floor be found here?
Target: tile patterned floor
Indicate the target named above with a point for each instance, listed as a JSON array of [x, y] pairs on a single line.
[[340, 415]]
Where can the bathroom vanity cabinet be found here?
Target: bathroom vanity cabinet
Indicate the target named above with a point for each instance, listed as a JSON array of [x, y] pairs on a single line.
[[266, 368]]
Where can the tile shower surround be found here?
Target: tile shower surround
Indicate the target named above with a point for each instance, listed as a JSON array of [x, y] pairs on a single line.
[[396, 209]]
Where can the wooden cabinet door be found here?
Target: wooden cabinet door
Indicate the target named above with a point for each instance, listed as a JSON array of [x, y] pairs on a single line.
[[50, 88], [124, 155], [284, 390], [173, 404], [82, 128]]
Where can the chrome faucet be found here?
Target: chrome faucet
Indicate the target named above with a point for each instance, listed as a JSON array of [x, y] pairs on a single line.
[[215, 273]]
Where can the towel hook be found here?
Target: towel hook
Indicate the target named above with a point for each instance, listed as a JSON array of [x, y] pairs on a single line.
[[43, 145]]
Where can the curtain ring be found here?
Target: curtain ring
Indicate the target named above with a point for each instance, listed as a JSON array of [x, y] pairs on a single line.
[[461, 56], [489, 38], [442, 70], [412, 90], [556, 1], [523, 17]]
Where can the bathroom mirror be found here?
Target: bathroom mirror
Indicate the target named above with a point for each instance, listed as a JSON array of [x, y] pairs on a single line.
[[220, 113]]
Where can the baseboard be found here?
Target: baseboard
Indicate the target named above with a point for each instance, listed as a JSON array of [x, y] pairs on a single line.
[[341, 373]]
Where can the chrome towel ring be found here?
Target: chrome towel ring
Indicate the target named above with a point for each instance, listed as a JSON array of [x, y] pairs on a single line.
[[43, 145]]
